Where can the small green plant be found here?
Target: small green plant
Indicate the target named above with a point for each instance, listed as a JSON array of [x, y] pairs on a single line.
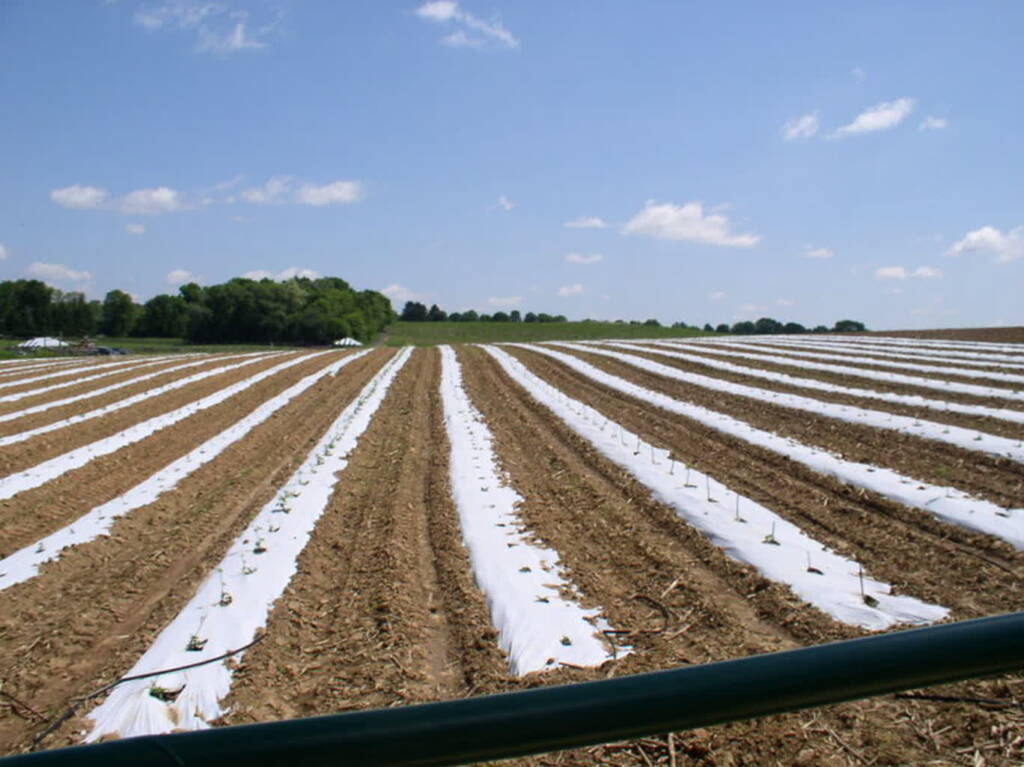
[[770, 538]]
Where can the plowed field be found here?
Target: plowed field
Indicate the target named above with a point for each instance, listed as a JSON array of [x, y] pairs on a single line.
[[127, 496]]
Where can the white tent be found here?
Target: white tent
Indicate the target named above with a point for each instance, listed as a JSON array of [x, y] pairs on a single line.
[[42, 342], [347, 342]]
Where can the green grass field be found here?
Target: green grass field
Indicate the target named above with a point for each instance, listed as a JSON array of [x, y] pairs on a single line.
[[427, 333]]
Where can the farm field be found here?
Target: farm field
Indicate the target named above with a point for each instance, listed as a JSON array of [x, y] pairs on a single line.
[[428, 333], [389, 526]]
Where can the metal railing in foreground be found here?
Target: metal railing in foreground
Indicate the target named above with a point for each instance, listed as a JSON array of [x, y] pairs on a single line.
[[550, 718]]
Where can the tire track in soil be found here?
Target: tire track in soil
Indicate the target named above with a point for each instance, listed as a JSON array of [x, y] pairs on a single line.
[[383, 610], [884, 728], [999, 480], [35, 420], [780, 365], [32, 514], [980, 574], [89, 615], [24, 455]]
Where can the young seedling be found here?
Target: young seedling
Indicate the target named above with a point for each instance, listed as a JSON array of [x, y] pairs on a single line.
[[259, 548], [707, 486], [810, 568], [164, 694], [637, 451], [869, 600], [195, 644], [686, 480], [770, 538], [738, 518], [566, 641]]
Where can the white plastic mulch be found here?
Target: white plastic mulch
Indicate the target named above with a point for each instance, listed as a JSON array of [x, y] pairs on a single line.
[[521, 580], [946, 503], [745, 530], [48, 470], [233, 603], [968, 439], [25, 563]]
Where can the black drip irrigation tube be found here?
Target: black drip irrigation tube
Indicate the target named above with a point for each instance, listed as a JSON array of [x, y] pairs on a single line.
[[551, 718]]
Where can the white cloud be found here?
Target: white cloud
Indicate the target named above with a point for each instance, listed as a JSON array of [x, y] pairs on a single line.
[[882, 116], [56, 272], [179, 277], [686, 222], [818, 253], [3, 251], [503, 203], [583, 258], [79, 197], [334, 193], [219, 28], [275, 190], [471, 32], [587, 222], [135, 229], [804, 126], [505, 301], [858, 74], [399, 294], [718, 295], [1008, 246], [901, 273], [784, 302], [160, 199], [284, 274], [933, 123], [281, 189], [570, 290]]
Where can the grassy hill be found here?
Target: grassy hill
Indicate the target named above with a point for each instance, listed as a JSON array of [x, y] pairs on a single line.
[[427, 333]]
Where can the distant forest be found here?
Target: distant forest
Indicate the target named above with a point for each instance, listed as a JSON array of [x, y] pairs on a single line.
[[298, 311], [414, 311]]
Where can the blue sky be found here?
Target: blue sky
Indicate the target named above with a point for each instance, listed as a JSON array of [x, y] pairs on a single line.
[[702, 162]]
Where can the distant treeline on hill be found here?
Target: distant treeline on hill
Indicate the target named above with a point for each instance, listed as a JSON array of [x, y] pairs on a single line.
[[414, 311], [299, 311]]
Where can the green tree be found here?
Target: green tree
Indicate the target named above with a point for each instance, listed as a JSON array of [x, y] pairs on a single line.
[[767, 326], [436, 315], [414, 311], [722, 328], [119, 314], [794, 327], [848, 326]]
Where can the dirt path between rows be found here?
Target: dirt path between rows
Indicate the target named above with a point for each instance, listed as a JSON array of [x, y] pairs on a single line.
[[999, 480], [882, 729], [88, 616], [383, 610]]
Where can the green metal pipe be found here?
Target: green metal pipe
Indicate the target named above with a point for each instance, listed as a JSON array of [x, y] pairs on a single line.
[[550, 718]]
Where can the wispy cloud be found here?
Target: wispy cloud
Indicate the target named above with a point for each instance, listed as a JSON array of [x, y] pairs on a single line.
[[56, 273], [570, 290], [902, 273], [858, 74], [285, 274], [686, 222], [820, 253], [501, 302], [1007, 246], [587, 222], [785, 302], [880, 117], [179, 277], [219, 28], [718, 295], [79, 197], [503, 203], [933, 123], [285, 189], [161, 199], [584, 258], [3, 251], [802, 127], [135, 228], [399, 294], [469, 31]]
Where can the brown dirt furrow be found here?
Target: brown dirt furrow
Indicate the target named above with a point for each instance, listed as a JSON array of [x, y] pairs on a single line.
[[999, 480], [383, 610], [66, 377], [980, 575], [24, 455], [994, 383], [781, 365], [89, 615], [37, 512], [615, 541], [985, 424], [17, 425]]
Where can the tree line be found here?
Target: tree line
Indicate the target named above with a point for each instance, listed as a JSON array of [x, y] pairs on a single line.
[[299, 311], [414, 311]]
